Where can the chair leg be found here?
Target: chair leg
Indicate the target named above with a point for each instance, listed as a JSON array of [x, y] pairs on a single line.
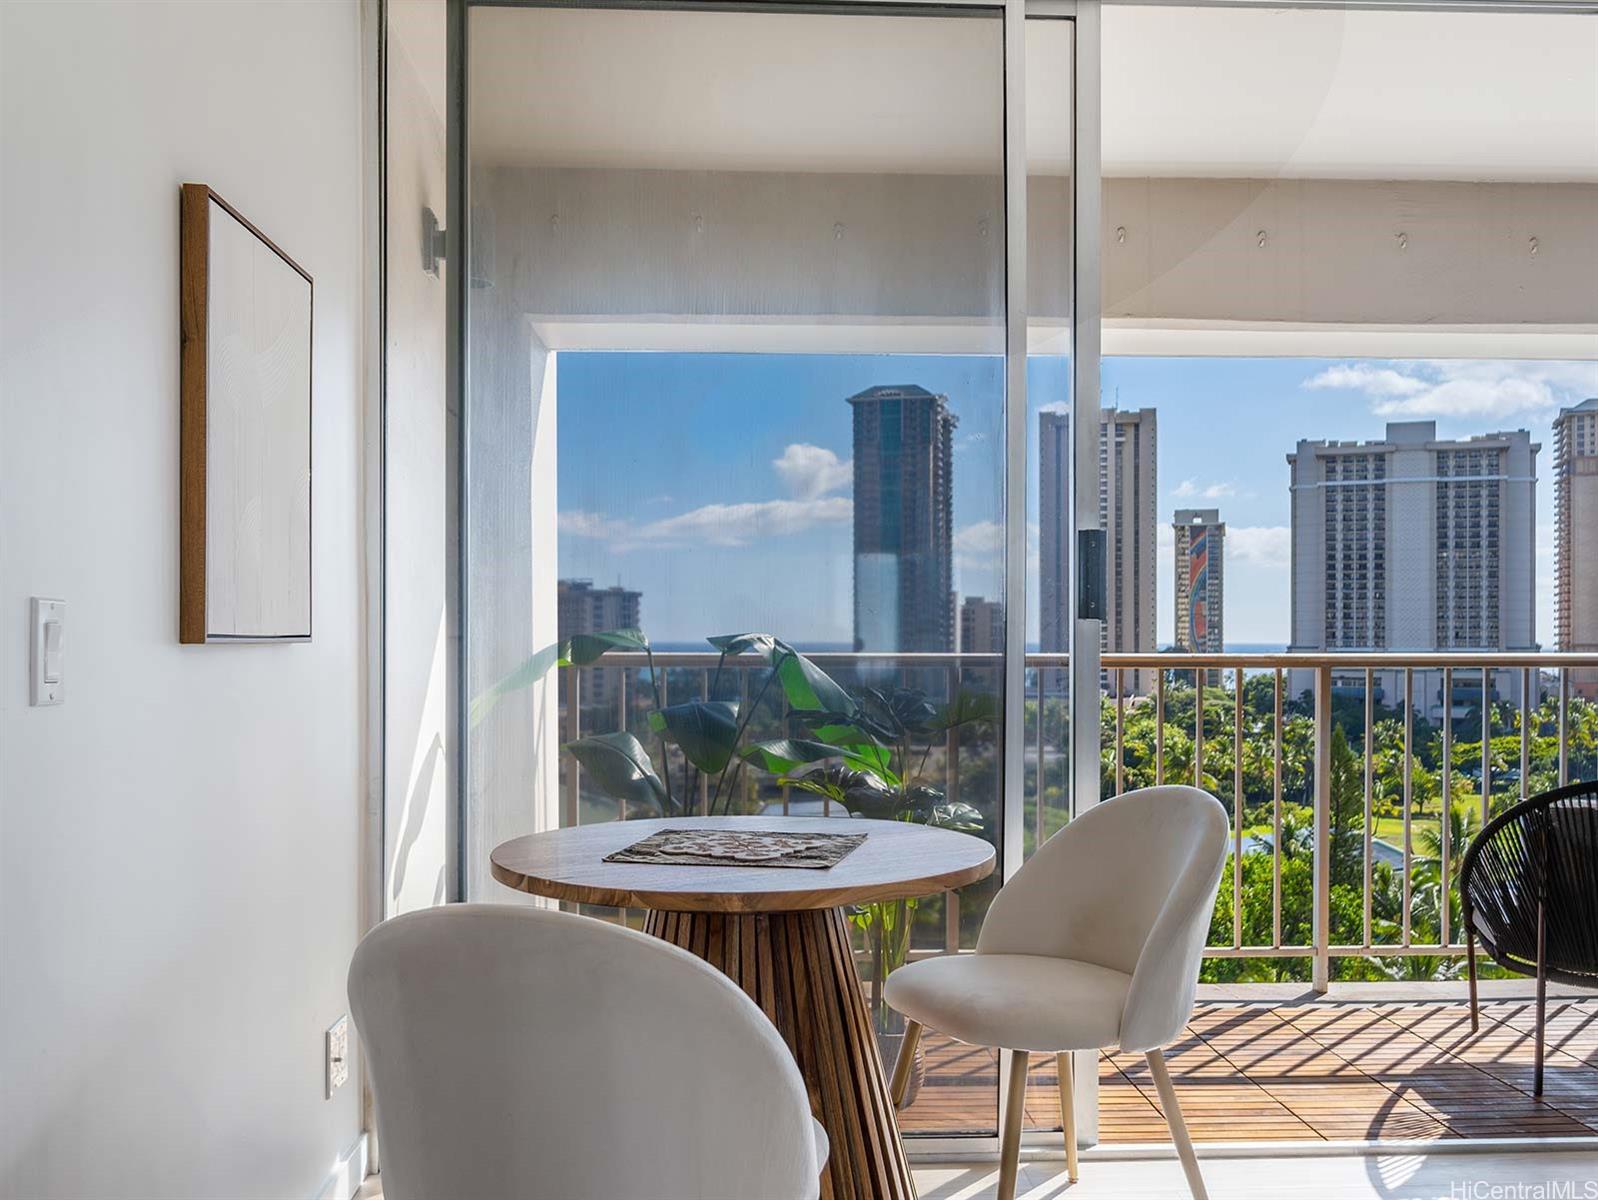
[[1014, 1117], [1063, 1064], [905, 1063], [1542, 1000], [1173, 1118], [1470, 967]]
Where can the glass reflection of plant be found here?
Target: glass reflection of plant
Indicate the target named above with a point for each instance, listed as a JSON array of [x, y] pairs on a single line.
[[866, 752]]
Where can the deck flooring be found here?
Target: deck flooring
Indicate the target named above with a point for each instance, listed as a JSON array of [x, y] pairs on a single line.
[[1312, 1071]]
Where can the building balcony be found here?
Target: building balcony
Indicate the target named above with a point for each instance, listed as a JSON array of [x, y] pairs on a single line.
[[1332, 1002]]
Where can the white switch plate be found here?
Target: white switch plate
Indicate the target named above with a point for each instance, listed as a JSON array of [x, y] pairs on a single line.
[[338, 1054], [47, 638]]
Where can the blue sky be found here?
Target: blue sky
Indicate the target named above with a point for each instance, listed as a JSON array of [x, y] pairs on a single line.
[[718, 485]]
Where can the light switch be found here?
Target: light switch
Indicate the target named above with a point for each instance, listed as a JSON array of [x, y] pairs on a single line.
[[47, 619]]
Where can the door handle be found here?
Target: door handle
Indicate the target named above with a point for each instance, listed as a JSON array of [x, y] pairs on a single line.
[[1091, 601]]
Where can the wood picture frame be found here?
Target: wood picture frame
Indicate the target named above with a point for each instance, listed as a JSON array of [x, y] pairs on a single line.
[[246, 319]]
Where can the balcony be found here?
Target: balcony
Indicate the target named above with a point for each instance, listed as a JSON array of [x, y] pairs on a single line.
[[1332, 1003]]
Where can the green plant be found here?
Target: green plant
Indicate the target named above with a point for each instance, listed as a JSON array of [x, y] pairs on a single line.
[[866, 751]]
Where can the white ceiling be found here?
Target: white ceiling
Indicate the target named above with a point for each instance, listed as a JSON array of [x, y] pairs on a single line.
[[1207, 92]]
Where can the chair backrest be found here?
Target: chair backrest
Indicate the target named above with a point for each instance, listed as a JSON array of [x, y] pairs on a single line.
[[521, 1052], [1543, 850], [1129, 885]]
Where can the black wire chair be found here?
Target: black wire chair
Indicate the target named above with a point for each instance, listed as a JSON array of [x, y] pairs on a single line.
[[1529, 891]]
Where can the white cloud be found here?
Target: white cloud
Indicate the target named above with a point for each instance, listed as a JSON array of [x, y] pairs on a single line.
[[1056, 406], [1191, 489], [811, 471], [980, 546], [577, 522], [1362, 377], [739, 524], [1486, 389], [711, 524], [1260, 545]]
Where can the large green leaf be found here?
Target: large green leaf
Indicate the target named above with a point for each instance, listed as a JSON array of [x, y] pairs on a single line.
[[620, 766], [806, 685], [967, 708], [706, 730], [784, 755], [743, 643], [529, 673], [858, 745], [586, 648]]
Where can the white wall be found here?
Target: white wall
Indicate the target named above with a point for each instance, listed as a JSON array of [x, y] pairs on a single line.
[[180, 842]]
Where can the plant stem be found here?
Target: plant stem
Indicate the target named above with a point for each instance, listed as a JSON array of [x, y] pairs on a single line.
[[748, 716]]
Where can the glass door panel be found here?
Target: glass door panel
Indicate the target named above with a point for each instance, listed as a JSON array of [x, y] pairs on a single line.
[[735, 349]]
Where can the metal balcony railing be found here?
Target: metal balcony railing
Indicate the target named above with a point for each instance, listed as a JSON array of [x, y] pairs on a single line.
[[1528, 692]]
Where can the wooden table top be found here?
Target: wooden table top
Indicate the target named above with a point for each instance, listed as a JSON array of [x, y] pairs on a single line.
[[897, 860]]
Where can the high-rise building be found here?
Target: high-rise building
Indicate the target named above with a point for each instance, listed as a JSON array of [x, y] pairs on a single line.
[[1414, 544], [583, 608], [1200, 580], [981, 626], [1128, 475], [1576, 534], [903, 519]]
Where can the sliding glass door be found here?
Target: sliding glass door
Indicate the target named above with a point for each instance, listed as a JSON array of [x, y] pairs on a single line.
[[768, 328]]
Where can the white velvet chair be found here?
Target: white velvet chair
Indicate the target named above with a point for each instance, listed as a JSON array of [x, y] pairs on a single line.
[[522, 1052], [1095, 942]]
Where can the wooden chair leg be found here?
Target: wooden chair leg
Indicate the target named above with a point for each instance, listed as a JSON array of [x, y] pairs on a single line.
[[904, 1065], [1542, 1000], [1014, 1118], [1470, 968], [1064, 1065], [1173, 1118]]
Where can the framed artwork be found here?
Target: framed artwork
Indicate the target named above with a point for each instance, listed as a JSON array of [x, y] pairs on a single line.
[[245, 492]]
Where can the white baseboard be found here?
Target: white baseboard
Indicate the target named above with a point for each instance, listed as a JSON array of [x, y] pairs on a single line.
[[348, 1173]]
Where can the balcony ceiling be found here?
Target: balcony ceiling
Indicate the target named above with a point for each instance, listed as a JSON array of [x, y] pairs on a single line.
[[1200, 93]]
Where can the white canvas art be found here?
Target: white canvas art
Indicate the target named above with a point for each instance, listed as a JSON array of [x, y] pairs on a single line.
[[255, 410]]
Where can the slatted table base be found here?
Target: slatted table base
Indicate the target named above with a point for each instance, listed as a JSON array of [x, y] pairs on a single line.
[[798, 967]]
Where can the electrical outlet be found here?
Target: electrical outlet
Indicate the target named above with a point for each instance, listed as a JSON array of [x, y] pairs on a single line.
[[337, 1039]]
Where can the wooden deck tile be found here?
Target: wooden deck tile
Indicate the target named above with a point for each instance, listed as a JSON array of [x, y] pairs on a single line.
[[1308, 1071]]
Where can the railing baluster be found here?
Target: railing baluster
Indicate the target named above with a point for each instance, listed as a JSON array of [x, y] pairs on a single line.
[[1237, 808], [1037, 820], [782, 730], [569, 809], [1120, 730], [1370, 758], [1486, 745], [1409, 795], [747, 776], [1525, 730], [1198, 729], [1445, 817], [1276, 818], [1159, 726], [621, 725], [704, 780], [1564, 726], [1321, 964]]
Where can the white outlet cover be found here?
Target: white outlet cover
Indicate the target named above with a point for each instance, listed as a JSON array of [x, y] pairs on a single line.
[[338, 1054]]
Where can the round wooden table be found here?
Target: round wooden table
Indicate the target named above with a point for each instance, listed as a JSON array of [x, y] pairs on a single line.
[[781, 935]]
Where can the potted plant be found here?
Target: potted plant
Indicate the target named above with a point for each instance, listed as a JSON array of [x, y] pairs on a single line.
[[901, 725], [866, 751]]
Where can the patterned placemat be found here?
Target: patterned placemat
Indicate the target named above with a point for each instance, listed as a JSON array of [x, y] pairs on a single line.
[[731, 848]]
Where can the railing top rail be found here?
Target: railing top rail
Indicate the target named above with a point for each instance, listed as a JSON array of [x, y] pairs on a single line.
[[1351, 660]]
